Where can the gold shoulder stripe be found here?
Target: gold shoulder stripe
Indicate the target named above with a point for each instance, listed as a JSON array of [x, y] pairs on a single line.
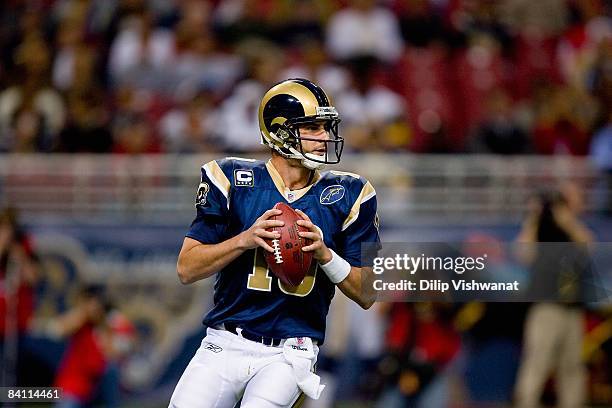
[[218, 178], [344, 173], [240, 159], [276, 178], [367, 192]]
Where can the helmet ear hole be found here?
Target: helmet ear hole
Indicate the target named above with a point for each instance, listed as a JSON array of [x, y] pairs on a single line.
[[287, 135], [282, 133]]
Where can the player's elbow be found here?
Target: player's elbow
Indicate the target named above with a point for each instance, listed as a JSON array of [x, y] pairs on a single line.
[[188, 272], [184, 278], [366, 303], [184, 273]]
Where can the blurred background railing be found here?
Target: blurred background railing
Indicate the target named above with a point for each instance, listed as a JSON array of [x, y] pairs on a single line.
[[159, 189]]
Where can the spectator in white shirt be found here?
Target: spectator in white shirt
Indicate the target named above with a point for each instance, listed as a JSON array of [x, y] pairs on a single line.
[[364, 29]]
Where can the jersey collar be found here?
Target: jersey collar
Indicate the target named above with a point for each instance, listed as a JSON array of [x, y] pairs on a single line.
[[289, 195]]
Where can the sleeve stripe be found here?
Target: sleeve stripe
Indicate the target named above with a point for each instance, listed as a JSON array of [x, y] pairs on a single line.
[[218, 178], [367, 192], [240, 158]]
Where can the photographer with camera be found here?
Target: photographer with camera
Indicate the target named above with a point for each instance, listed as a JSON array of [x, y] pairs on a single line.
[[554, 327]]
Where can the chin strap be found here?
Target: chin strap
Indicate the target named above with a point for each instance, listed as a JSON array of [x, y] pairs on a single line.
[[312, 165], [306, 162], [295, 154]]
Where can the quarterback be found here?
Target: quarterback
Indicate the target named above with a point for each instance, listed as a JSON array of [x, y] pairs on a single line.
[[262, 335]]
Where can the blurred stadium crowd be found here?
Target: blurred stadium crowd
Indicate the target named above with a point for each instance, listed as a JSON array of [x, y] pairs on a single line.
[[437, 76]]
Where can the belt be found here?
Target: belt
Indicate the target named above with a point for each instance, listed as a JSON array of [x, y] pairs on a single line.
[[265, 340]]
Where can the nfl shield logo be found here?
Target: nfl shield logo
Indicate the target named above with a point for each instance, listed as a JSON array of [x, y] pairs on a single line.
[[300, 341]]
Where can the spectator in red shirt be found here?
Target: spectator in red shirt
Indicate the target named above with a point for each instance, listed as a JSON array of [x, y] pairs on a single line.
[[421, 341], [87, 355], [18, 274]]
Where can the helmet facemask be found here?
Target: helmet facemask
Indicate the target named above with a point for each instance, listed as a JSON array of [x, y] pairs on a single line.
[[333, 144], [292, 147]]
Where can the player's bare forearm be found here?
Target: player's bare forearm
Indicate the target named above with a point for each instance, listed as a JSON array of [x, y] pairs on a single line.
[[358, 286], [198, 261]]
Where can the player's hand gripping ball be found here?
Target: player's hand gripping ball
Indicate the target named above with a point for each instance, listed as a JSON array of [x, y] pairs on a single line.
[[288, 262]]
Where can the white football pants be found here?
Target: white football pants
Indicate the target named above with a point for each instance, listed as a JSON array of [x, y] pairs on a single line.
[[228, 367]]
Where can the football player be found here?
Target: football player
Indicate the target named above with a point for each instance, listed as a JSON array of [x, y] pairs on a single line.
[[263, 336]]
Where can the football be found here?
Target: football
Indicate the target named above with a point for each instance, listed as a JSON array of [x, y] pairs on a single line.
[[288, 262]]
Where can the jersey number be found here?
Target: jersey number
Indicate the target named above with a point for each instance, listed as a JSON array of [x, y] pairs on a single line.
[[261, 280]]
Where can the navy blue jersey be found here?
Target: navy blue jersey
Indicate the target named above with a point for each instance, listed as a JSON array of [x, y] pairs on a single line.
[[232, 194]]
